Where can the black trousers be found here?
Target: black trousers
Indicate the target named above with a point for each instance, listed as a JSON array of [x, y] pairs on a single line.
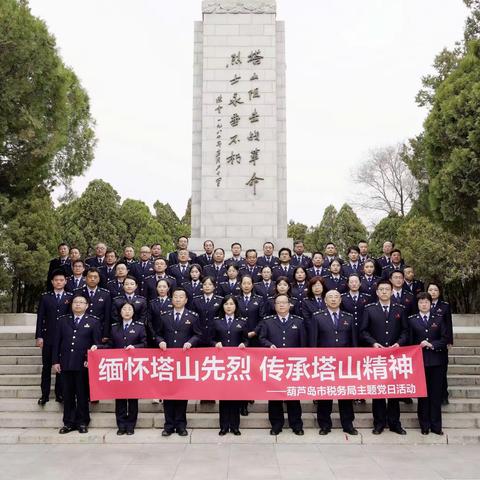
[[229, 414], [294, 412], [126, 413], [386, 412], [324, 414], [46, 381], [75, 398], [444, 378], [175, 415], [429, 409]]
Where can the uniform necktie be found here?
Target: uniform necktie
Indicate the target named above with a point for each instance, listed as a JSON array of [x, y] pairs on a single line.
[[317, 272], [246, 299], [398, 295], [385, 310], [433, 306], [369, 279], [319, 301], [62, 261], [177, 318], [335, 319], [195, 284], [354, 299], [109, 270], [283, 319], [59, 296], [92, 293], [125, 328], [207, 300], [354, 266], [144, 264], [229, 321], [425, 320], [232, 286], [267, 285], [76, 281], [77, 321], [100, 261], [182, 269], [129, 298]]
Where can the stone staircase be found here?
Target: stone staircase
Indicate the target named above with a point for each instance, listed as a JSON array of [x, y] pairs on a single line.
[[23, 421]]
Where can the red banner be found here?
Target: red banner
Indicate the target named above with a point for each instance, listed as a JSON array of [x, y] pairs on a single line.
[[257, 373]]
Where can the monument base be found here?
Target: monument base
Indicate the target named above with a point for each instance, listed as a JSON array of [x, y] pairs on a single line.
[[196, 244]]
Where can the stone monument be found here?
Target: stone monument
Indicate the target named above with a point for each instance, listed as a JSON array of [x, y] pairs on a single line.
[[239, 188]]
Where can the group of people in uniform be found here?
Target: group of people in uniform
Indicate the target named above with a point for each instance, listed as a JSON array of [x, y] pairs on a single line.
[[289, 300]]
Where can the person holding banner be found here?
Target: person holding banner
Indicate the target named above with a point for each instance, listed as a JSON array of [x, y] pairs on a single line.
[[229, 330], [126, 334], [283, 330], [336, 329], [429, 330], [384, 326], [178, 328]]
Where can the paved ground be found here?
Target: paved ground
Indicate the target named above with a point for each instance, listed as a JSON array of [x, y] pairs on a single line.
[[236, 461]]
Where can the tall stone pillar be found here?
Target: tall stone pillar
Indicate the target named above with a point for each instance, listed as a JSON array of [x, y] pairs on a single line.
[[239, 190]]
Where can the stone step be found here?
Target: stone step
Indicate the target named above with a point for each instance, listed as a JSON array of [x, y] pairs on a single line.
[[457, 350], [22, 351], [456, 380], [249, 436], [18, 319], [464, 391], [456, 405], [20, 360], [17, 343], [464, 369], [210, 420], [464, 360], [20, 369]]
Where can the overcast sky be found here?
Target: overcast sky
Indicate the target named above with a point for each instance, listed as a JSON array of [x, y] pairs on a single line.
[[353, 69]]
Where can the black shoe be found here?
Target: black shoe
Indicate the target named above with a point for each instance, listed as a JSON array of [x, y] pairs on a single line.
[[324, 431], [131, 432], [377, 431], [398, 430], [351, 431], [274, 432], [299, 432], [59, 399], [437, 432], [244, 411], [182, 433], [223, 432], [66, 429], [425, 431], [121, 431], [42, 401], [93, 402], [236, 431], [406, 401], [82, 429], [166, 433]]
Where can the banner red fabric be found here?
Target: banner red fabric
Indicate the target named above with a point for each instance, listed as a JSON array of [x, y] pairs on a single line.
[[257, 373]]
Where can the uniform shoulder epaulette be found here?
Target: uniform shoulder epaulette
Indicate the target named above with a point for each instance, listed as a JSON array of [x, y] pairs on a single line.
[[115, 323], [398, 305], [94, 316], [69, 294], [119, 296], [270, 297], [370, 304], [140, 296], [343, 294], [268, 317], [65, 316], [103, 289], [149, 276], [192, 312], [46, 293], [218, 296], [411, 316], [198, 296], [113, 280], [136, 322], [386, 266], [348, 314]]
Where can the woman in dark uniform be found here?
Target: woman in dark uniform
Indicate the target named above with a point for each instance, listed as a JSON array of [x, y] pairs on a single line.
[[429, 330], [194, 286], [231, 286], [334, 280], [266, 287], [126, 334], [442, 308], [299, 284], [229, 330], [313, 302]]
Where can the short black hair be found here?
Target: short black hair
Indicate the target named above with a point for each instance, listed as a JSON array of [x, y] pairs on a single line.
[[424, 296], [353, 249], [285, 249], [393, 272], [235, 243], [384, 281]]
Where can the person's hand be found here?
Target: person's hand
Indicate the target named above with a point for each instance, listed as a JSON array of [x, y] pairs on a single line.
[[129, 347], [93, 348], [252, 334], [187, 346], [163, 345], [218, 345], [105, 339], [242, 345], [378, 345], [85, 364], [395, 345], [39, 342], [57, 368], [426, 344], [273, 346]]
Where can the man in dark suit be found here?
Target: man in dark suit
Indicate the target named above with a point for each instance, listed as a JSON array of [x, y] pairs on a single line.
[[299, 258], [268, 258], [99, 300], [107, 270], [144, 267], [317, 269], [353, 265], [402, 295], [182, 244], [128, 257], [76, 333], [178, 328], [384, 260], [236, 258], [52, 305], [411, 284], [149, 286], [99, 259], [218, 269], [59, 263], [284, 269], [115, 286], [334, 329], [384, 325], [207, 257], [330, 255], [396, 264], [251, 266], [77, 280], [180, 271], [129, 295], [283, 330], [363, 249]]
